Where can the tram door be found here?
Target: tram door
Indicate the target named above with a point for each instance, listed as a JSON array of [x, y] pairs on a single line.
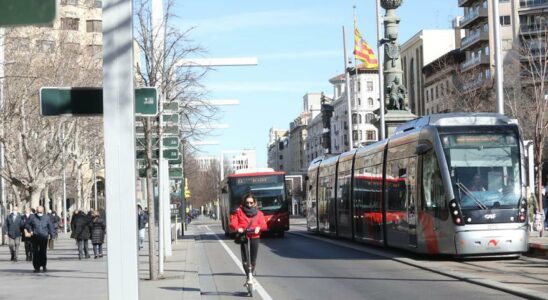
[[412, 201]]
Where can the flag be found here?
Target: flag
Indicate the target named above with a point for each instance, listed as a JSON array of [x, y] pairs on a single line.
[[363, 52]]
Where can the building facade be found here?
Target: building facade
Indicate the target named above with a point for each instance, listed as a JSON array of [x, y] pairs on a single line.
[[418, 51], [364, 100], [237, 160]]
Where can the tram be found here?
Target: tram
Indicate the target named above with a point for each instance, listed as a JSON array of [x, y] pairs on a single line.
[[447, 184], [268, 186]]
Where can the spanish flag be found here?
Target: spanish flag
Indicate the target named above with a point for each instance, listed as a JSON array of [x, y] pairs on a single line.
[[363, 52]]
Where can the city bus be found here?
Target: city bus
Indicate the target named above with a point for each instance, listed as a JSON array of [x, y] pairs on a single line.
[[269, 188], [449, 184]]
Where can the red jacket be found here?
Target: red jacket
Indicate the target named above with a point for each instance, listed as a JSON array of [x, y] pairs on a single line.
[[239, 220]]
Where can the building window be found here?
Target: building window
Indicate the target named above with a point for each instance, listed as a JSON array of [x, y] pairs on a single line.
[[281, 157], [20, 44], [369, 86], [360, 134], [427, 96], [354, 118], [370, 102], [94, 26], [437, 95], [371, 136], [70, 23], [369, 118], [505, 21], [360, 118], [359, 86], [98, 4], [69, 2], [355, 135]]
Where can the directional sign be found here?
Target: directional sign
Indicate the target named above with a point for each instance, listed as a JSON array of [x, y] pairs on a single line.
[[172, 106], [146, 102], [171, 154], [171, 142], [171, 130], [177, 161], [88, 101], [170, 118], [175, 172], [27, 12], [141, 154]]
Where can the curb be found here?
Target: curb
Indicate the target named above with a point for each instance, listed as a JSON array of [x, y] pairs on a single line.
[[507, 288]]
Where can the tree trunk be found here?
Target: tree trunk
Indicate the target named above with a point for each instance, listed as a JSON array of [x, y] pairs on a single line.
[[34, 197]]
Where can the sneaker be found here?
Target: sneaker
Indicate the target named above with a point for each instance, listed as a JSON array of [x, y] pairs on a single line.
[[36, 271], [45, 270]]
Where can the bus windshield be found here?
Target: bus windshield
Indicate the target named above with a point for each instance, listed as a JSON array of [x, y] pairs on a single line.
[[269, 191], [485, 169]]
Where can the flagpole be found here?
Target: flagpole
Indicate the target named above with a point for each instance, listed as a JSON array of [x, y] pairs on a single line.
[[356, 80], [347, 80], [380, 67]]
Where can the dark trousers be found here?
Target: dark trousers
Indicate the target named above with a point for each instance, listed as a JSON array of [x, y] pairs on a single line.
[[98, 250], [39, 248], [28, 250], [254, 250], [83, 248]]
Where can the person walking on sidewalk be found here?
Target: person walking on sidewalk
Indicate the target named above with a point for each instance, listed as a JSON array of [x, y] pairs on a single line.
[[55, 221], [249, 217], [26, 240], [98, 230], [80, 226], [12, 227], [40, 229], [142, 220]]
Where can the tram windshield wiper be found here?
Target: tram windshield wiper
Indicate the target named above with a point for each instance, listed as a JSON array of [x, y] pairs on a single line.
[[463, 188]]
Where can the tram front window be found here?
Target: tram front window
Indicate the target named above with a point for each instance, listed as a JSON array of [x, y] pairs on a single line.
[[270, 199], [484, 169]]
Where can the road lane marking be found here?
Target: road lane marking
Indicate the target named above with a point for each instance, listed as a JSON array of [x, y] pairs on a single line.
[[259, 288]]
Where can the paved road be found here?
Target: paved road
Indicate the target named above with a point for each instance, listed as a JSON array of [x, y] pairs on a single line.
[[298, 267]]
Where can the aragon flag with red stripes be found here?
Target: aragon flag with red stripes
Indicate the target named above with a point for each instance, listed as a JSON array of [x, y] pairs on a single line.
[[363, 52]]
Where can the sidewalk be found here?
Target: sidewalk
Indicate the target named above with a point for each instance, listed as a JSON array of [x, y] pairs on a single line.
[[68, 277]]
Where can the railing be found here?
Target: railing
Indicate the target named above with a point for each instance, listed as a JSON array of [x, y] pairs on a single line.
[[471, 62], [470, 38], [532, 3], [472, 13], [528, 28]]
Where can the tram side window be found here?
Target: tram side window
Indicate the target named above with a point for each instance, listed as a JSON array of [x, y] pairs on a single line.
[[396, 185], [432, 187]]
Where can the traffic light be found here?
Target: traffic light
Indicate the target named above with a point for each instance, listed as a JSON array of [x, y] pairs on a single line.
[[187, 190]]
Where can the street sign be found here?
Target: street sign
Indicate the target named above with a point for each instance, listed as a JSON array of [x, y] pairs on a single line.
[[170, 118], [146, 102], [177, 161], [141, 154], [171, 142], [171, 154], [175, 172], [88, 101], [171, 130], [172, 106], [27, 12]]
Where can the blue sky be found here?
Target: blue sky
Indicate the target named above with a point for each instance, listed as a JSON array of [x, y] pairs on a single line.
[[298, 44]]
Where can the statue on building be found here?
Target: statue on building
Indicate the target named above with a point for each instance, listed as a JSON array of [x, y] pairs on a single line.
[[397, 95]]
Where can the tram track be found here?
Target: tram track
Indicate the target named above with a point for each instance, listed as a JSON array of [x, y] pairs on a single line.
[[452, 269]]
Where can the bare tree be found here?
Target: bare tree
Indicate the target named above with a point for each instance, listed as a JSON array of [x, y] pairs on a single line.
[[160, 67], [533, 103], [32, 152]]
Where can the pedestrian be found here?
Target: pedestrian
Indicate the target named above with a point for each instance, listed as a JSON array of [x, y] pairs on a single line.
[[98, 231], [55, 220], [26, 239], [247, 218], [142, 220], [12, 227], [80, 226], [40, 228]]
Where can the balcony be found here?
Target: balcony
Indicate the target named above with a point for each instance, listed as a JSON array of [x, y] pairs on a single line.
[[474, 15], [466, 3], [474, 39], [532, 5], [533, 29], [536, 55], [474, 62]]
